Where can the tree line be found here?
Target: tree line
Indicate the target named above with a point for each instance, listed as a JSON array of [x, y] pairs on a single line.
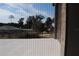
[[34, 22]]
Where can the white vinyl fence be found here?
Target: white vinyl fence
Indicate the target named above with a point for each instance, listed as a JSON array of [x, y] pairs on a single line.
[[29, 47]]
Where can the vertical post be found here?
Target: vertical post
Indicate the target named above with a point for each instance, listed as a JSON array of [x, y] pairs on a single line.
[[63, 28], [61, 25]]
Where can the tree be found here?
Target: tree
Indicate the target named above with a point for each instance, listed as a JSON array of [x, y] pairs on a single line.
[[20, 22], [48, 24], [39, 17], [11, 17], [35, 22], [38, 25], [29, 22]]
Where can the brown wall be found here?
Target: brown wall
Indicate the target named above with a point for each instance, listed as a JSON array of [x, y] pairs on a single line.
[[72, 36]]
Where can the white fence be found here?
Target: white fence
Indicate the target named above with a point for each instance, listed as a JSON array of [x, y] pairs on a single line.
[[29, 47]]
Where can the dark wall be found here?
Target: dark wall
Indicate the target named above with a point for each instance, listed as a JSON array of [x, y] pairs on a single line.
[[72, 31]]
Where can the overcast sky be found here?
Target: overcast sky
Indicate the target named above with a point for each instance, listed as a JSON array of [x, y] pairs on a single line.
[[19, 10]]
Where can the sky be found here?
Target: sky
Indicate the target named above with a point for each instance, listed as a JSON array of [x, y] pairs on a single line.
[[19, 10]]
